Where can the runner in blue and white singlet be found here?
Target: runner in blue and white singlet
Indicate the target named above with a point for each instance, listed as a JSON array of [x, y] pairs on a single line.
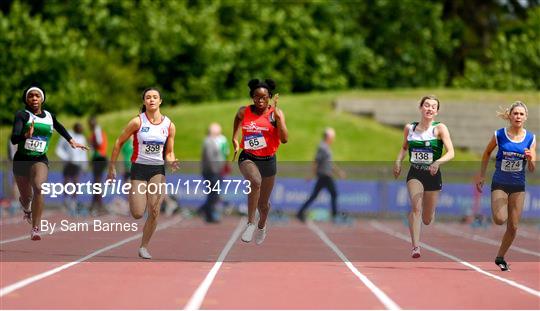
[[516, 153]]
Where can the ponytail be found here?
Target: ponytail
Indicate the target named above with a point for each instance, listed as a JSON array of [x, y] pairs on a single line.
[[505, 113]]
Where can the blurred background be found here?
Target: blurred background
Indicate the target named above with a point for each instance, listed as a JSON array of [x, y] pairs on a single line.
[[357, 66]]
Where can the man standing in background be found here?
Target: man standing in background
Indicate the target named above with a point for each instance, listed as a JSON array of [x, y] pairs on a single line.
[[212, 163], [324, 168], [75, 161]]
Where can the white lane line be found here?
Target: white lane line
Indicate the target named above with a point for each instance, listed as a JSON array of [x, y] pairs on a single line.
[[27, 236], [25, 282], [383, 298], [482, 239], [198, 296], [377, 225]]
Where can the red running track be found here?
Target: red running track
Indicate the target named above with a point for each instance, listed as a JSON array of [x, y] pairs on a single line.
[[298, 267]]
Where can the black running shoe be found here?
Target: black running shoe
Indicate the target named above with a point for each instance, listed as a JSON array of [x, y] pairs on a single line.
[[499, 261]]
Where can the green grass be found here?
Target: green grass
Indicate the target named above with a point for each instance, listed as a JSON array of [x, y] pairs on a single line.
[[358, 138]]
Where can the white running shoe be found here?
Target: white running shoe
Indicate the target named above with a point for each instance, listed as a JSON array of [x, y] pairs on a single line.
[[260, 235], [247, 236], [416, 252], [34, 235], [143, 253]]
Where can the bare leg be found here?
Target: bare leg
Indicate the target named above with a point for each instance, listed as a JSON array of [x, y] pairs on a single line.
[[416, 192], [515, 207], [251, 173], [153, 207], [137, 198], [263, 205], [429, 204], [499, 206]]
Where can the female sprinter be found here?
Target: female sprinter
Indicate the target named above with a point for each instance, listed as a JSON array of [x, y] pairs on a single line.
[[32, 131], [152, 132], [516, 148], [263, 128], [424, 142]]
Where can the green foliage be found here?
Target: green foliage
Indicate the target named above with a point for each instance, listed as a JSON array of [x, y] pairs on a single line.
[[513, 60], [93, 56]]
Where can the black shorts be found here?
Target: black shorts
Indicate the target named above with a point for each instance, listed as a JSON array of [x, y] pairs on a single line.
[[145, 172], [23, 163], [509, 189], [99, 164], [71, 170], [430, 182], [267, 165]]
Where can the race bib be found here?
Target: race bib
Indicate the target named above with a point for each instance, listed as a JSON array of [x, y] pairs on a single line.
[[35, 144], [511, 165], [422, 156], [254, 142], [152, 149]]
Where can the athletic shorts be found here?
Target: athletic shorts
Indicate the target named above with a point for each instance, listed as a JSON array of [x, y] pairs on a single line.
[[23, 163], [430, 182], [267, 165], [145, 172], [509, 189]]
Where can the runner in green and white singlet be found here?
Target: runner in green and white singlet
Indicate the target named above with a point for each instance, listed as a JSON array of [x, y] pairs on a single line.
[[32, 130], [424, 142], [425, 147]]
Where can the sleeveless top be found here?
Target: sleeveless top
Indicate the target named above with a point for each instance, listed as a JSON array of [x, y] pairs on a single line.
[[424, 148], [260, 136], [38, 144], [510, 161], [149, 141]]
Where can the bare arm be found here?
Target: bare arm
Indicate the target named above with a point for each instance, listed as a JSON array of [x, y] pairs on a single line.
[[236, 128], [169, 152], [129, 130], [402, 152], [280, 120], [485, 160], [531, 157], [444, 134]]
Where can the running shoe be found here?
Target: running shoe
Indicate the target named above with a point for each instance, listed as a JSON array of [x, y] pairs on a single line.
[[499, 261], [27, 213], [34, 235], [260, 235], [247, 236], [143, 253], [416, 252]]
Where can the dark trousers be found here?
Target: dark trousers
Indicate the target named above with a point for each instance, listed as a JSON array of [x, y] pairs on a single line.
[[211, 199], [327, 182]]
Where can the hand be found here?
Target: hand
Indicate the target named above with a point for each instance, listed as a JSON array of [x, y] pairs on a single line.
[[528, 154], [30, 131], [236, 147], [397, 169], [75, 145], [479, 181], [342, 174], [175, 165], [111, 175], [434, 168], [275, 99]]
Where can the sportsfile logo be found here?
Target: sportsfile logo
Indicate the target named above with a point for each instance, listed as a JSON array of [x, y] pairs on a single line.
[[117, 187]]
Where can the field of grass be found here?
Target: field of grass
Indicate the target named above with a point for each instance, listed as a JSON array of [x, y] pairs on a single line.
[[358, 138]]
